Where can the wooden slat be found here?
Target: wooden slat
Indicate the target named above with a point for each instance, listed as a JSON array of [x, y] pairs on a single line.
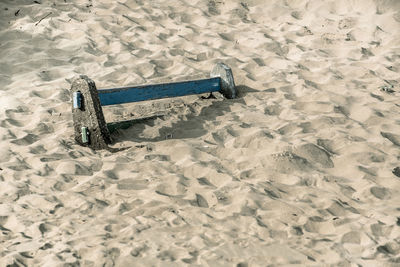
[[157, 91]]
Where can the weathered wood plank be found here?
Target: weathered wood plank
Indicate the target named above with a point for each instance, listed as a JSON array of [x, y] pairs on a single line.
[[156, 91]]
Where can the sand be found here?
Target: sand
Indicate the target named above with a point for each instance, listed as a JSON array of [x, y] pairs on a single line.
[[302, 169]]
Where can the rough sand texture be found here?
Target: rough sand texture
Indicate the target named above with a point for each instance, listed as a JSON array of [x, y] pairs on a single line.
[[298, 170]]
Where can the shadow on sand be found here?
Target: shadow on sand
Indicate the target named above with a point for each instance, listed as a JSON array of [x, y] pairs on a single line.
[[190, 127]]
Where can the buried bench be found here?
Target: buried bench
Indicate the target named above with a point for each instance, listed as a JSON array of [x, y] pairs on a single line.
[[89, 125]]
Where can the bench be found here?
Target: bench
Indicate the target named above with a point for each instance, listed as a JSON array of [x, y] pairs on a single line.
[[89, 124]]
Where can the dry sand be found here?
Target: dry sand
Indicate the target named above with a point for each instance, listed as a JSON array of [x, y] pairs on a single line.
[[299, 170]]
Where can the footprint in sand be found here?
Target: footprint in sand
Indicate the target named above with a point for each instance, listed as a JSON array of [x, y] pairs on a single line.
[[315, 154]]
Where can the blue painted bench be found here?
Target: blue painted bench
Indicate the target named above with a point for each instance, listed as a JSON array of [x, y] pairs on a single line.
[[89, 124]]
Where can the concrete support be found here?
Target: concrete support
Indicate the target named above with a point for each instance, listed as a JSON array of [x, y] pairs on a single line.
[[88, 115], [228, 88]]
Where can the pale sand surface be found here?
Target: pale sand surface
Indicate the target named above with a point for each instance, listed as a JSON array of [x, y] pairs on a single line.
[[297, 171]]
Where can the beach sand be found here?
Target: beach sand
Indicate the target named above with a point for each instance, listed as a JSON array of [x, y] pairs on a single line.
[[302, 169]]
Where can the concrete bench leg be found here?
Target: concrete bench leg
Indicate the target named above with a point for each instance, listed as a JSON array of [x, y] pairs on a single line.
[[89, 124], [228, 88]]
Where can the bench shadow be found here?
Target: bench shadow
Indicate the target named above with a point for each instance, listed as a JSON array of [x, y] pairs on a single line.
[[192, 126], [243, 90]]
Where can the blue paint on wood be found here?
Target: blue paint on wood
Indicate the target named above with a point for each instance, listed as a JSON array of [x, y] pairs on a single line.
[[157, 91]]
